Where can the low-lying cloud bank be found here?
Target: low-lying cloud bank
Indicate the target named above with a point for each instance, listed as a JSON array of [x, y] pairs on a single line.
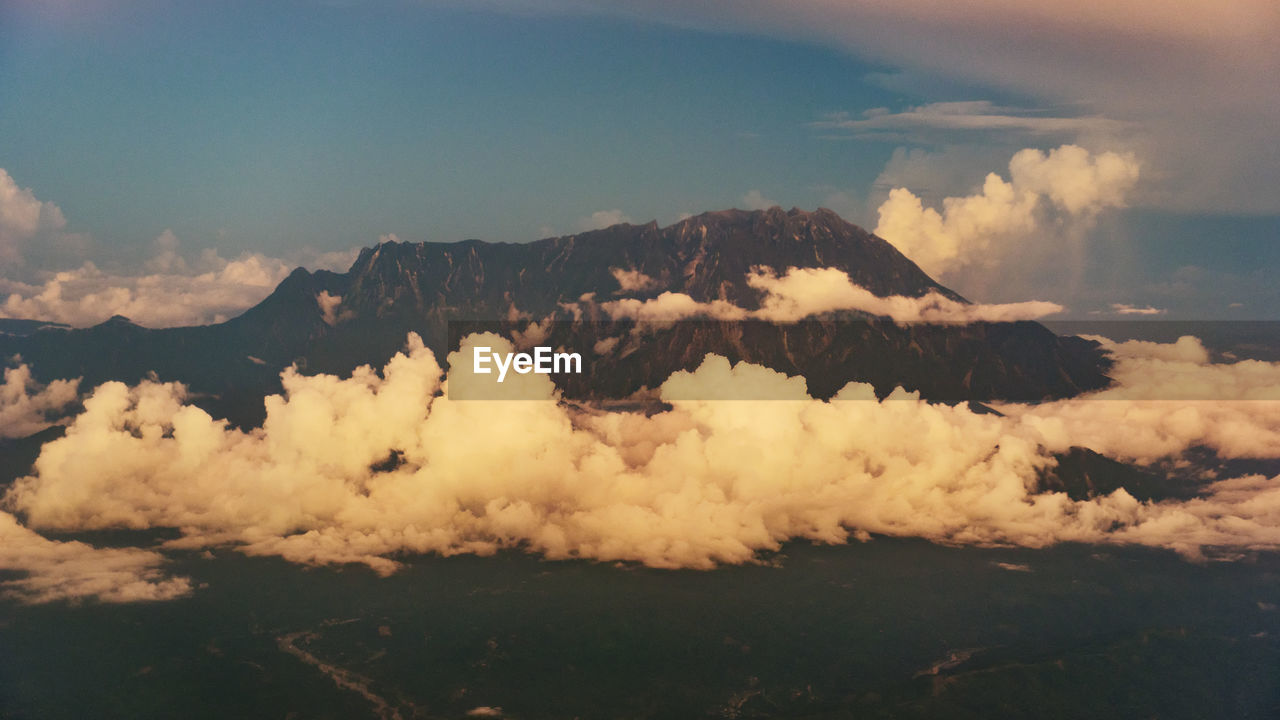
[[804, 292], [1168, 398], [48, 273], [707, 482], [87, 295], [170, 292], [76, 571]]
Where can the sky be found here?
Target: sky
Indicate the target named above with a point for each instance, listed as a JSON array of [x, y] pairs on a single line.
[[205, 149]]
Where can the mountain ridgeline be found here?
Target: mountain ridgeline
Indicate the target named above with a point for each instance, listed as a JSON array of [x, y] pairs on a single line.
[[397, 288]]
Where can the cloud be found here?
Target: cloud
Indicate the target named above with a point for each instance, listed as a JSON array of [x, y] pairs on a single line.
[[22, 218], [934, 173], [671, 306], [1168, 397], [1125, 309], [334, 260], [931, 121], [171, 291], [27, 407], [755, 200], [1074, 181], [165, 257], [31, 228], [87, 295], [601, 219], [1193, 77], [804, 292], [1187, 349], [812, 291], [632, 280], [331, 308], [75, 571], [704, 483], [1047, 195], [22, 215]]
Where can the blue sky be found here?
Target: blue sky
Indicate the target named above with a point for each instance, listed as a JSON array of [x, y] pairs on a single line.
[[269, 127], [308, 123]]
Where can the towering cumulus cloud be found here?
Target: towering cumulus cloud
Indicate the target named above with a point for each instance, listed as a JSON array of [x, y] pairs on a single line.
[[1046, 194], [24, 221], [358, 470]]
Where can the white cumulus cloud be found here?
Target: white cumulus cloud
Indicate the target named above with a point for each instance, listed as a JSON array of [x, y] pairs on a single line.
[[27, 407], [804, 292], [601, 219], [87, 295], [1046, 196], [709, 481], [1127, 309], [171, 290], [1168, 397], [755, 200], [30, 228], [632, 280]]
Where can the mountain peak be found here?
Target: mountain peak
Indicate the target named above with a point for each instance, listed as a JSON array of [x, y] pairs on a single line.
[[397, 287], [707, 256], [775, 215]]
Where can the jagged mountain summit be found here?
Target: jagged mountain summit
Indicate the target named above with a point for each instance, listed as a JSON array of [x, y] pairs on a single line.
[[333, 322], [706, 257]]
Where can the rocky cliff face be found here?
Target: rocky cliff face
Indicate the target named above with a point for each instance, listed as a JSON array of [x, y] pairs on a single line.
[[396, 288], [706, 257], [1021, 362]]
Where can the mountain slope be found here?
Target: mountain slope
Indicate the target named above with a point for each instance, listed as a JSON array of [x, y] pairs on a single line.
[[396, 288]]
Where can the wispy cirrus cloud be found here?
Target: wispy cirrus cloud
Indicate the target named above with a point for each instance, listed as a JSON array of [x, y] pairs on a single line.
[[1127, 309], [1194, 78], [926, 123]]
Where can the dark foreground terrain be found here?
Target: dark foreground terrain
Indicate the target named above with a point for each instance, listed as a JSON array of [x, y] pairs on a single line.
[[890, 628]]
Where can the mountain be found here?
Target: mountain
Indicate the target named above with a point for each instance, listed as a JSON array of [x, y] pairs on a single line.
[[395, 288], [707, 257], [26, 327]]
